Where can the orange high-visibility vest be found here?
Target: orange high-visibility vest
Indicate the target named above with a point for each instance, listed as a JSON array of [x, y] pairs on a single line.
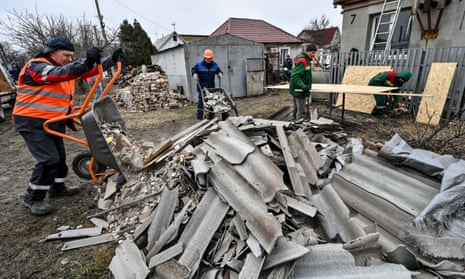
[[43, 101]]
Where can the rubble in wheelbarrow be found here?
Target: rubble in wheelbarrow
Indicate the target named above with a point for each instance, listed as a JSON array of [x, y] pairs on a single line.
[[128, 151], [225, 199], [216, 103], [149, 91]]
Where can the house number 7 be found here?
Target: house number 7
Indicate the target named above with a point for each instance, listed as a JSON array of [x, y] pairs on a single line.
[[353, 18]]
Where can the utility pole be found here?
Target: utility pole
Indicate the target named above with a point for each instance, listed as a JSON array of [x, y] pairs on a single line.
[[102, 25]]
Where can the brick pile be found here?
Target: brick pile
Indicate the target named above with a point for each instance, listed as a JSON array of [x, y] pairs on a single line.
[[149, 91]]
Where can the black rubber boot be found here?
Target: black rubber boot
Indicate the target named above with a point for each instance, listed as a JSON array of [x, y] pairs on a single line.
[[38, 207], [60, 190]]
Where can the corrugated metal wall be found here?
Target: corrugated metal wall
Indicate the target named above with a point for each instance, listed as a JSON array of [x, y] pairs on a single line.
[[416, 60], [231, 54]]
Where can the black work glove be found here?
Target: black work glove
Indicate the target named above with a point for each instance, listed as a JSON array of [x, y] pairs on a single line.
[[306, 90], [117, 55], [70, 124], [93, 56]]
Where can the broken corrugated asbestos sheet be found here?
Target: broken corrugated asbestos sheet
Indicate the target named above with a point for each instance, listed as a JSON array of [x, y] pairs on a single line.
[[256, 198]]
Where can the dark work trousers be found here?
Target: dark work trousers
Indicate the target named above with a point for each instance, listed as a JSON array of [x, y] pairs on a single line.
[[299, 108], [49, 153], [199, 103]]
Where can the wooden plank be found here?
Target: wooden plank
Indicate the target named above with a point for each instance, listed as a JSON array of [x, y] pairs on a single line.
[[438, 84], [340, 88], [351, 89], [360, 75]]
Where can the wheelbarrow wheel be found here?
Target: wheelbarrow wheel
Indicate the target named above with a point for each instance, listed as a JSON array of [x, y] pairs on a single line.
[[81, 165]]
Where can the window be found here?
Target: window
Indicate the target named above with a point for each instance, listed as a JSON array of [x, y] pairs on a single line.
[[400, 37], [283, 52]]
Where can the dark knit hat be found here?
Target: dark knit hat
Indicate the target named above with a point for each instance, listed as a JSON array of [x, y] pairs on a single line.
[[58, 42], [310, 48]]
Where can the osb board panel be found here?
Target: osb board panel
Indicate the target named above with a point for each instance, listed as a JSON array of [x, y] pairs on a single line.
[[360, 75], [438, 84], [4, 85]]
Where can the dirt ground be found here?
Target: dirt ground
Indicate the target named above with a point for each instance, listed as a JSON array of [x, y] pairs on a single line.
[[23, 255]]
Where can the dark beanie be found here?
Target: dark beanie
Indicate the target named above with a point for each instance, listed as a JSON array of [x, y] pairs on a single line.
[[310, 48], [58, 42]]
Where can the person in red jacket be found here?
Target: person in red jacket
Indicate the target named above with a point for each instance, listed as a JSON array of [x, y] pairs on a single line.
[[45, 90]]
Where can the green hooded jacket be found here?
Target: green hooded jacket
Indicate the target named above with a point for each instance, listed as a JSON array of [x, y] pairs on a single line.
[[301, 76], [389, 78]]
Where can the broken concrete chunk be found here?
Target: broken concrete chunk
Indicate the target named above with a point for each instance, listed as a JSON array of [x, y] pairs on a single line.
[[99, 222], [128, 262]]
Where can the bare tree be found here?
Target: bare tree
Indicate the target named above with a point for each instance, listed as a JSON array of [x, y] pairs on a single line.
[[318, 24], [29, 31], [11, 55]]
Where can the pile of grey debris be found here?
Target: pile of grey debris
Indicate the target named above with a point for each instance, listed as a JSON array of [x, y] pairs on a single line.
[[224, 196], [251, 198]]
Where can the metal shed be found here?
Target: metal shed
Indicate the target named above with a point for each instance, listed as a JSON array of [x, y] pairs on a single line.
[[240, 60], [231, 54]]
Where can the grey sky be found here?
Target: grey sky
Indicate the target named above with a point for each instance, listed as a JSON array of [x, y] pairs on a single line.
[[190, 17]]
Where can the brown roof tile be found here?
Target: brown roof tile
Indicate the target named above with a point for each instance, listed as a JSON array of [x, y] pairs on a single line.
[[256, 30], [319, 37]]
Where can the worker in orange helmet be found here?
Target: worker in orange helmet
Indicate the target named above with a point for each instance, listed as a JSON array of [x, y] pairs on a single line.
[[204, 72]]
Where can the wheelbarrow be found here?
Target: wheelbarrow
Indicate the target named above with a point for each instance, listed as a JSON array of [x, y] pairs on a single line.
[[217, 101], [97, 162]]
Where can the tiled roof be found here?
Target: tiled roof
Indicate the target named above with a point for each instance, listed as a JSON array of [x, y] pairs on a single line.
[[256, 30], [319, 37]]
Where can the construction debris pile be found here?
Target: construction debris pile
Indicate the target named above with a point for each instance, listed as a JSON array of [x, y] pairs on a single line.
[[149, 91], [228, 197], [257, 198]]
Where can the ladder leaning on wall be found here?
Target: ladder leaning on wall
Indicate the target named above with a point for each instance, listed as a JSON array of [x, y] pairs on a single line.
[[386, 24]]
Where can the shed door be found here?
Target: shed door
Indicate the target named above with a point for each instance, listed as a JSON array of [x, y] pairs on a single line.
[[234, 80], [255, 76]]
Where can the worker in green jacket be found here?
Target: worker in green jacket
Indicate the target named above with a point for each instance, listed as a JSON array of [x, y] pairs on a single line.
[[391, 79], [301, 80]]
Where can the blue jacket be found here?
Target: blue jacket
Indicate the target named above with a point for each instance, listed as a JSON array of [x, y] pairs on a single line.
[[206, 73]]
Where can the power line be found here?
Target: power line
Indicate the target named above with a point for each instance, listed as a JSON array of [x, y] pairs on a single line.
[[147, 19]]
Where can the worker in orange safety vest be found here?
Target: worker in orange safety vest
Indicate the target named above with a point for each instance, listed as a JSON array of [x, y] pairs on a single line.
[[45, 90]]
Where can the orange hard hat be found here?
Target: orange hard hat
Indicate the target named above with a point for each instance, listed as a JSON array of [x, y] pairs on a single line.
[[208, 53]]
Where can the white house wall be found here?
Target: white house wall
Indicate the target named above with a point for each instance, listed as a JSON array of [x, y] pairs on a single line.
[[357, 26], [174, 65], [451, 27]]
